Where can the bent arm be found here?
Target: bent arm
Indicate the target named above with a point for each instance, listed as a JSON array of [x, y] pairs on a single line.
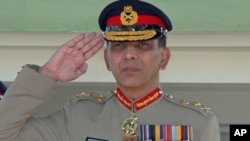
[[27, 92]]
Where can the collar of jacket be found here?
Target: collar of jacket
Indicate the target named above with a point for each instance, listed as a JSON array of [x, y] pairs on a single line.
[[141, 103]]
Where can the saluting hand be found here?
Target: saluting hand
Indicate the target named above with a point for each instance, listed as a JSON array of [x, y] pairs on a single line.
[[68, 62]]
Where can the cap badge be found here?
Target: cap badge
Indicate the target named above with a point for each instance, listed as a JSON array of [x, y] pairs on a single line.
[[128, 16]]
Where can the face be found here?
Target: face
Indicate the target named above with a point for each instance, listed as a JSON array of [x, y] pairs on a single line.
[[136, 64]]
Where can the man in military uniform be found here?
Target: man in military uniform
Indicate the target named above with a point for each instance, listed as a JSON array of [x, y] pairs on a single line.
[[138, 109]]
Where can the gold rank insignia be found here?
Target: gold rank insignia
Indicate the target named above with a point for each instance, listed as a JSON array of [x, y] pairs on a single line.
[[129, 16], [190, 104]]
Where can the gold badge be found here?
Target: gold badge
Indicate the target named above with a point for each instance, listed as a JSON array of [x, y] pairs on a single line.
[[129, 128], [128, 16]]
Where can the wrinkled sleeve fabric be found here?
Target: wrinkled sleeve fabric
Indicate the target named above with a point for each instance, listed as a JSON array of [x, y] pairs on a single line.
[[211, 130], [27, 92]]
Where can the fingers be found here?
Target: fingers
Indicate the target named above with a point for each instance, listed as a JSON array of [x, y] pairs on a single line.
[[93, 47], [83, 46], [79, 41], [89, 45], [81, 70], [74, 41], [86, 42]]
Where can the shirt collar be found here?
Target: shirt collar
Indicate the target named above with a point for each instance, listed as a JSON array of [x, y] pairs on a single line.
[[138, 104]]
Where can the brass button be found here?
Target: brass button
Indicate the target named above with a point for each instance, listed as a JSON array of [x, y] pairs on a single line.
[[100, 98], [111, 93], [169, 96], [196, 104], [78, 96], [184, 102], [87, 94]]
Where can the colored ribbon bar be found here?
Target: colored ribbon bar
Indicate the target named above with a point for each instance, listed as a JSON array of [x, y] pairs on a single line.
[[166, 133]]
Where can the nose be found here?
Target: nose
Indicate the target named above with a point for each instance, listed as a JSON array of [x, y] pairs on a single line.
[[130, 53]]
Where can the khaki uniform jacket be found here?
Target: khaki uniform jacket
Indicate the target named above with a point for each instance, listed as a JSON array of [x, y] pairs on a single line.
[[84, 117]]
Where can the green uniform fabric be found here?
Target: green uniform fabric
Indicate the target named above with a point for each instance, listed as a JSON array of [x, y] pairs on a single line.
[[85, 116]]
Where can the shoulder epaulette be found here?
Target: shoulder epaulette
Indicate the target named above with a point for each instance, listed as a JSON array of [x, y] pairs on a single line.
[[95, 97], [195, 105]]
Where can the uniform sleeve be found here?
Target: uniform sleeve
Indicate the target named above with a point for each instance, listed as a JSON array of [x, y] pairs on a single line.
[[22, 97], [48, 128], [211, 131]]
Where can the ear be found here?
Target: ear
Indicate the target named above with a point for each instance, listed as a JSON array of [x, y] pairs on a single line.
[[106, 59], [165, 58]]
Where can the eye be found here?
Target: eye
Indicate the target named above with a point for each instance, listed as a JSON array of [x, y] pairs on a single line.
[[144, 46], [117, 46]]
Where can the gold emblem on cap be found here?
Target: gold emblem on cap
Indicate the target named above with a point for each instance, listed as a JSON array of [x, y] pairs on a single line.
[[128, 16]]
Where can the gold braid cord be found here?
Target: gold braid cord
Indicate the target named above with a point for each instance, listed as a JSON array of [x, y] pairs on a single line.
[[130, 35]]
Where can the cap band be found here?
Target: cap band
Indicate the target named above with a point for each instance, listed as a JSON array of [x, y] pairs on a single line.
[[134, 28], [129, 35], [133, 33], [142, 19]]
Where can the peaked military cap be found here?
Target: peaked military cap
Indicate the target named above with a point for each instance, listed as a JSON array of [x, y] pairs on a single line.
[[131, 20]]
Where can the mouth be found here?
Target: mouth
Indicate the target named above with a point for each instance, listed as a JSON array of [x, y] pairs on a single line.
[[130, 69]]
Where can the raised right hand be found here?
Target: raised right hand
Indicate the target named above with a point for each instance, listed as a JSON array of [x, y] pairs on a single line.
[[68, 62]]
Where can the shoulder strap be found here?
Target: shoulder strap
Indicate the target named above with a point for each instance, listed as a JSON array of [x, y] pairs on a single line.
[[95, 97], [194, 105]]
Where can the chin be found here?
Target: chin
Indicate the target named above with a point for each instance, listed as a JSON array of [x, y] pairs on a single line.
[[130, 83]]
